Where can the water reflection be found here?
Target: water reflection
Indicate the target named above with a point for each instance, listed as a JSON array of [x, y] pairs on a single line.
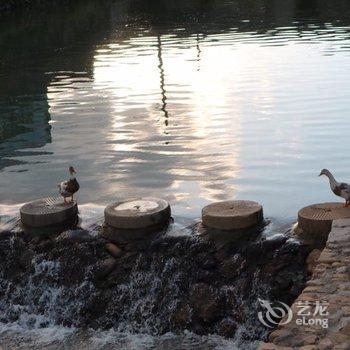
[[162, 81], [150, 135], [24, 125], [196, 102]]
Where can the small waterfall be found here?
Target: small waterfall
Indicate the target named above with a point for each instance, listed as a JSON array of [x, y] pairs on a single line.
[[178, 289], [39, 300]]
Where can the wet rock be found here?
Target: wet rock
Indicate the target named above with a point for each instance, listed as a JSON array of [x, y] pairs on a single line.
[[274, 242], [167, 284], [114, 250], [181, 317], [45, 245], [290, 247], [35, 240], [95, 305], [104, 268], [206, 261], [227, 327], [204, 302], [233, 266], [26, 258], [76, 235]]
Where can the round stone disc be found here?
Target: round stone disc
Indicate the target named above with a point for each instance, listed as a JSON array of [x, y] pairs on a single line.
[[48, 212], [138, 213], [232, 215], [316, 219]]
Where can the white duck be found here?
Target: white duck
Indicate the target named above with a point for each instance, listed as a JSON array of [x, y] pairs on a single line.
[[340, 189], [68, 188]]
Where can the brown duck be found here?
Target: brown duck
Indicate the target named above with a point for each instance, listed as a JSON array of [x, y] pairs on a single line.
[[69, 187], [340, 189]]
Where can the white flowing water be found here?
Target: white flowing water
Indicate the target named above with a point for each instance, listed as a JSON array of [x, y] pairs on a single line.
[[36, 318]]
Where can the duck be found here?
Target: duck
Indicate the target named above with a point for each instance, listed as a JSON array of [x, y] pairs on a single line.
[[69, 187], [340, 189]]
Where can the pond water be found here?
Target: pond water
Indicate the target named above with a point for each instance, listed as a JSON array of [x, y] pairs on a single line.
[[192, 101]]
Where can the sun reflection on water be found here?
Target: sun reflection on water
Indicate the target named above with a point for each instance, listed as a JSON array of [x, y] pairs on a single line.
[[194, 117]]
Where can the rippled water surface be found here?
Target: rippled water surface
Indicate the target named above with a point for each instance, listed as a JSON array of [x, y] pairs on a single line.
[[196, 102]]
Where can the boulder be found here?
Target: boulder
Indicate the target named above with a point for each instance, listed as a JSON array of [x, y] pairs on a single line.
[[104, 268], [26, 258], [113, 250]]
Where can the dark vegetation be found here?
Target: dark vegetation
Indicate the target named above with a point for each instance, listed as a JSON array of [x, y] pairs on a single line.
[[7, 5]]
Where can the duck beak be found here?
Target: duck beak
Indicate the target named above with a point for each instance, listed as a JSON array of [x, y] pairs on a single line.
[[320, 174]]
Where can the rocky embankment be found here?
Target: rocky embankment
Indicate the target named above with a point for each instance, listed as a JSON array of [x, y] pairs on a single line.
[[324, 323], [169, 283]]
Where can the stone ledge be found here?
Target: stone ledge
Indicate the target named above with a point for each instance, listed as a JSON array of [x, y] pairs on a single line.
[[331, 283]]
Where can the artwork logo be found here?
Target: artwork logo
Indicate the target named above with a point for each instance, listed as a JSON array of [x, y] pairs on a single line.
[[274, 313], [308, 314]]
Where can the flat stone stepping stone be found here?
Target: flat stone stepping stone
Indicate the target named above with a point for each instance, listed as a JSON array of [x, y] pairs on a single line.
[[232, 215], [316, 219], [138, 213], [48, 212]]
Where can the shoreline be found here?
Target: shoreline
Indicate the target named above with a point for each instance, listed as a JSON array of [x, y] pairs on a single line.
[[330, 283]]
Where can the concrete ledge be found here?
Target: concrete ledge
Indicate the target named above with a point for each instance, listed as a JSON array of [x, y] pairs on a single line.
[[330, 283], [232, 215], [48, 212], [137, 213], [315, 221]]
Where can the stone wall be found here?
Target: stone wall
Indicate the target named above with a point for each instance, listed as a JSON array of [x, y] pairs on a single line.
[[330, 283]]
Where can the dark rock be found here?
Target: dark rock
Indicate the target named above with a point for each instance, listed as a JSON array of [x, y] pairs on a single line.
[[274, 242], [105, 267], [25, 259], [45, 245], [204, 302], [233, 266], [181, 316], [95, 305], [227, 327], [167, 284], [114, 250], [76, 235], [206, 261]]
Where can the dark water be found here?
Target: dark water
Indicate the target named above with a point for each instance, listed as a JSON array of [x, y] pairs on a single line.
[[194, 101]]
